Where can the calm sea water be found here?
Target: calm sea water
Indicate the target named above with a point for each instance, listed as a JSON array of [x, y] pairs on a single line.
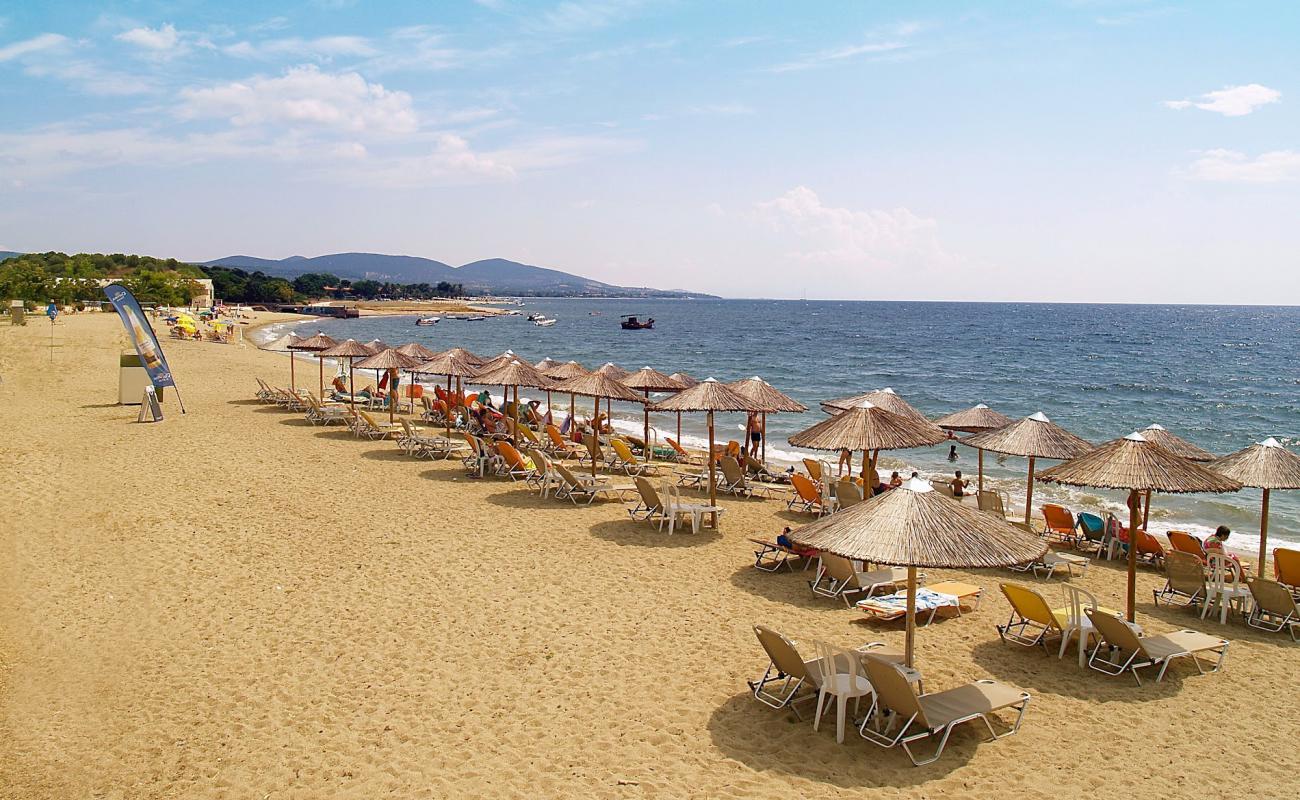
[[1221, 377]]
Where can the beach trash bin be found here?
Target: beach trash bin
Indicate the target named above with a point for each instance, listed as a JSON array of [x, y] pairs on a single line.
[[132, 380], [17, 314]]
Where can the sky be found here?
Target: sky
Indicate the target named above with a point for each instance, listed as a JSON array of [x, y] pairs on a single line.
[[1078, 151]]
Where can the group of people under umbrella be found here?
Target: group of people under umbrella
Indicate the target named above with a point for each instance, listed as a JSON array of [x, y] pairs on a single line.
[[910, 526]]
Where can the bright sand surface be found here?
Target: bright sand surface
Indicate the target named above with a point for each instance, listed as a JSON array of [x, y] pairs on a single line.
[[234, 603]]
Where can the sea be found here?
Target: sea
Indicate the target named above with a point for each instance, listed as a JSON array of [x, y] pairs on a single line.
[[1221, 377]]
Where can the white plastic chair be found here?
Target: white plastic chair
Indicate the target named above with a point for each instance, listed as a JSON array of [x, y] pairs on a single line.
[[1076, 622], [1225, 587], [840, 673]]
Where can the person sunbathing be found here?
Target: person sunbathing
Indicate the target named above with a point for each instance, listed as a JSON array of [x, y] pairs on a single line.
[[785, 541]]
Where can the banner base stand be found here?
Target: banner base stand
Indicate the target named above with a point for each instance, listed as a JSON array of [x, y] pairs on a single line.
[[150, 410]]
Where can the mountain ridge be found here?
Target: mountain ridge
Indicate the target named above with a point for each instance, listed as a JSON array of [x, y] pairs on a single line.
[[489, 276]]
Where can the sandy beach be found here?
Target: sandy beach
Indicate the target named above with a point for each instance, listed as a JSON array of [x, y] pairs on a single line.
[[236, 604]]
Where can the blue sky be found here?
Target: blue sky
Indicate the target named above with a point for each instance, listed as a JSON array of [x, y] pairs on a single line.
[[1068, 151]]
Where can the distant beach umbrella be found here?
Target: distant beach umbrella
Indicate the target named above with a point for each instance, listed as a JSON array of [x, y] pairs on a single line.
[[710, 396], [545, 366], [974, 420], [350, 349], [1033, 437], [769, 399], [377, 345], [687, 381], [461, 352], [505, 358], [453, 365], [1267, 466], [565, 371], [1136, 465], [516, 373], [650, 380], [314, 345], [612, 370], [416, 350], [885, 398], [285, 344], [869, 428], [596, 386], [390, 360], [1176, 445], [915, 527]]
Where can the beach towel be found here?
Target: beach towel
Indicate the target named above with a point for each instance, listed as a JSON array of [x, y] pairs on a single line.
[[926, 600]]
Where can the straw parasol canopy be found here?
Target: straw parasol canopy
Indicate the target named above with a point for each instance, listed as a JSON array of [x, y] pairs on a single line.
[[567, 370], [1266, 465], [914, 526], [350, 349], [766, 396], [391, 360], [461, 352], [868, 427], [416, 350], [886, 398], [708, 395], [684, 379], [973, 420], [1175, 444], [1137, 465], [546, 364], [377, 345], [648, 379], [1033, 437], [314, 345], [453, 364], [516, 373], [597, 385], [613, 370], [285, 344]]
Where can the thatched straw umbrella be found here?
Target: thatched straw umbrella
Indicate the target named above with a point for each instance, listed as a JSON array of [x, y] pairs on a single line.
[[377, 345], [1266, 465], [315, 345], [545, 366], [1176, 445], [707, 395], [461, 352], [685, 380], [596, 385], [769, 399], [1033, 437], [566, 371], [416, 350], [453, 365], [285, 345], [517, 373], [885, 398], [975, 419], [869, 428], [914, 526], [611, 370], [1136, 465], [350, 349], [392, 361], [650, 380]]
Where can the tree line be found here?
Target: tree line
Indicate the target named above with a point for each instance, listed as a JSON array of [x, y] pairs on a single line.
[[37, 278]]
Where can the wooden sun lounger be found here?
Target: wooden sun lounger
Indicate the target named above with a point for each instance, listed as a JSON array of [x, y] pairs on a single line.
[[771, 556]]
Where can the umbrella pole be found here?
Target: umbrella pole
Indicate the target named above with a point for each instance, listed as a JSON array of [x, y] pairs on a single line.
[[763, 441], [1263, 535], [321, 362], [352, 386], [981, 460], [1134, 501], [1029, 494], [679, 427], [911, 615], [595, 437], [649, 453], [392, 394], [1146, 510], [713, 478], [866, 485], [292, 384]]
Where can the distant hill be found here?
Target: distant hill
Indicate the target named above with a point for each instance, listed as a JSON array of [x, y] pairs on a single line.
[[8, 254], [489, 276]]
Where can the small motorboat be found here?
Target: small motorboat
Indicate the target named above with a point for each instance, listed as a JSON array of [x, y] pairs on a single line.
[[631, 323], [535, 317], [543, 322], [427, 321]]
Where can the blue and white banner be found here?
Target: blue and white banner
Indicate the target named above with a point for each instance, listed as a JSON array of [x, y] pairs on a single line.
[[141, 334]]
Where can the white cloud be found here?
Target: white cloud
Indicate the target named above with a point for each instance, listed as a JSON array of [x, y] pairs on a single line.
[[876, 43], [322, 48], [1232, 166], [160, 39], [305, 96], [577, 16], [1233, 101], [36, 44], [828, 235]]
